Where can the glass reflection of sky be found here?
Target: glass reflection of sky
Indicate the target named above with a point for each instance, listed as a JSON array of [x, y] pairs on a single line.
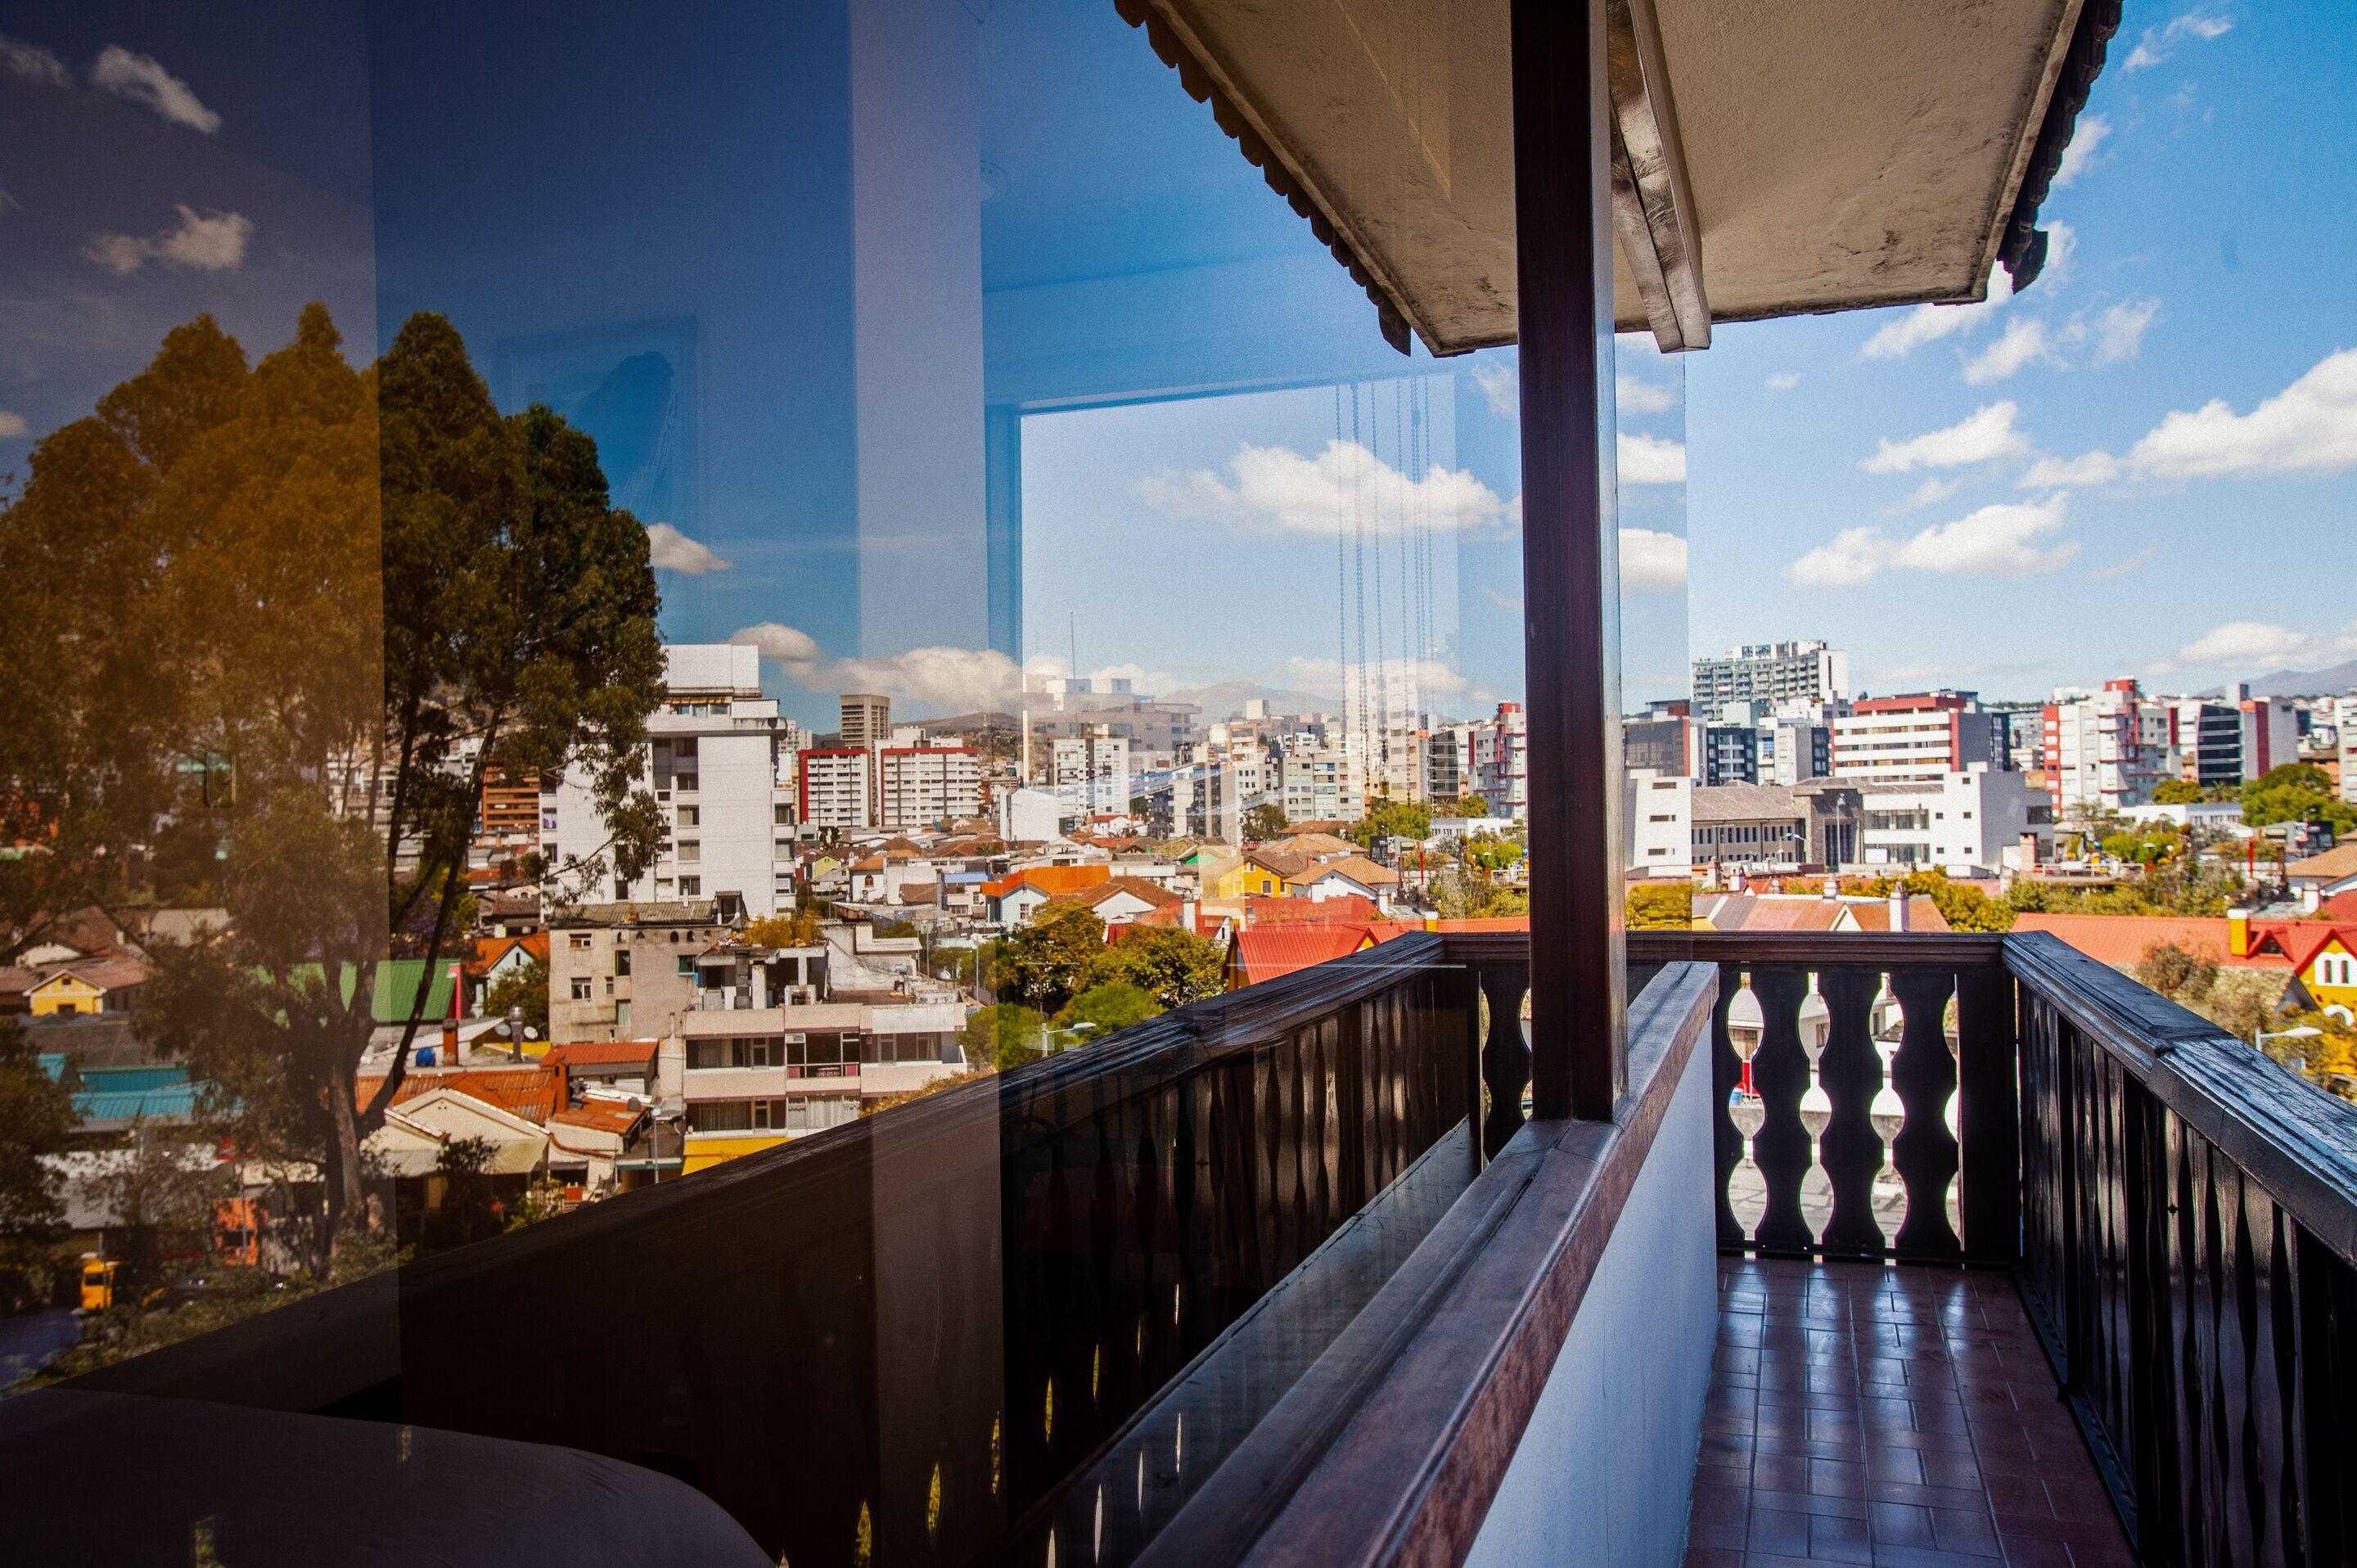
[[778, 263]]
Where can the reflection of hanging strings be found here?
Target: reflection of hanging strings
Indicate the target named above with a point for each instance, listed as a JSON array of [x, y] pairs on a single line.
[[1412, 685], [1382, 749], [1359, 532], [1342, 582]]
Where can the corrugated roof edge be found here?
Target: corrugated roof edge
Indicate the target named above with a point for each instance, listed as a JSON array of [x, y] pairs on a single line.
[[2023, 249]]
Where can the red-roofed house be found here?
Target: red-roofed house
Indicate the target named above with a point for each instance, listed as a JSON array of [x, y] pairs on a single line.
[[1017, 897], [1265, 952], [534, 1093]]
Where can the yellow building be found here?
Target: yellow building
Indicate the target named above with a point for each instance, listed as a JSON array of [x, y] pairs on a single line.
[[705, 1150], [2327, 966], [88, 985], [1256, 876]]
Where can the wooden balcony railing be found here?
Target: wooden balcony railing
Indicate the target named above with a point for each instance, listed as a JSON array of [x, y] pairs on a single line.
[[2181, 1212], [2190, 1255], [894, 1340]]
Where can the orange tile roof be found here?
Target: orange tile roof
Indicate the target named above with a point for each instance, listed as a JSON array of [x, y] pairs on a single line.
[[533, 1095], [1346, 907], [2122, 941], [599, 1116], [1053, 880], [1136, 886], [2331, 866], [1265, 952], [1874, 915], [2341, 908], [490, 950]]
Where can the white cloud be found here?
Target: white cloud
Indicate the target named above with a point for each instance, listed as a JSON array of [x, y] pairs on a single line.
[[1634, 395], [1651, 561], [1503, 601], [33, 63], [2079, 157], [1931, 492], [2061, 245], [1650, 460], [1783, 380], [2158, 43], [2122, 568], [213, 242], [1851, 558], [2087, 469], [669, 550], [1897, 338], [12, 426], [1994, 542], [1988, 433], [2119, 330], [1346, 486], [1501, 383], [2250, 647], [2309, 427], [2023, 344], [924, 681], [143, 79]]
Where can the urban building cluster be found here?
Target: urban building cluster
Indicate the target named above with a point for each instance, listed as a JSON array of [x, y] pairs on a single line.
[[1775, 766]]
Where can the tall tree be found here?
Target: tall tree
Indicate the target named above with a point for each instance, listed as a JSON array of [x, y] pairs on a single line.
[[296, 612]]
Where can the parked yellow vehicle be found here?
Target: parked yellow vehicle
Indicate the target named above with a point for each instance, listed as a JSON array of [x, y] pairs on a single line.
[[97, 1283]]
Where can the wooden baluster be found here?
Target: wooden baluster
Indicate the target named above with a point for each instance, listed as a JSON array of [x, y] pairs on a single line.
[[1988, 1116], [1781, 1074], [1727, 1139], [1924, 1074], [1850, 1072], [1505, 1054]]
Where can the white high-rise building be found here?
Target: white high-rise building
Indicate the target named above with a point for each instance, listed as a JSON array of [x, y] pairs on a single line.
[[1771, 672], [1502, 767], [722, 764], [1090, 773], [923, 786], [2107, 751]]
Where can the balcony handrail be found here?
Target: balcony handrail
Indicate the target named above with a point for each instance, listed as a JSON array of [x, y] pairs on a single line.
[[2296, 1139]]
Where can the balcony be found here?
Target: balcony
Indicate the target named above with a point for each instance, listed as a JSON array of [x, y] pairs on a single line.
[[1286, 1276]]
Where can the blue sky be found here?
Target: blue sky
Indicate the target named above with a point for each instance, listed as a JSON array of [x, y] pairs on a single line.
[[2142, 465], [2209, 217]]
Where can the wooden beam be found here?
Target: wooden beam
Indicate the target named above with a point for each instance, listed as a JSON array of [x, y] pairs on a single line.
[[1571, 577], [1653, 205]]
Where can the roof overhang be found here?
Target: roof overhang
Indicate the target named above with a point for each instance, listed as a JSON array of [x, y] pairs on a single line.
[[1770, 157]]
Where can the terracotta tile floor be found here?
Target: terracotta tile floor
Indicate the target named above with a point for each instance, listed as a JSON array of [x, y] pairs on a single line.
[[1892, 1416]]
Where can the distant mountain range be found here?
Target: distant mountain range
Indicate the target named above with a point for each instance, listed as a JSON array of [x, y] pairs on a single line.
[[2340, 678], [1226, 700]]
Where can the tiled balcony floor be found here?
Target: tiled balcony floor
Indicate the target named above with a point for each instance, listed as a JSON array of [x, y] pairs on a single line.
[[1891, 1416]]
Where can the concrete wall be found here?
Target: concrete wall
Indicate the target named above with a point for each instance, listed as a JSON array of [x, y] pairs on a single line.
[[1605, 1472]]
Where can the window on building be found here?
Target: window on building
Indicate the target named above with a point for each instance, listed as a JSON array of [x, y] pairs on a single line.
[[690, 816], [621, 960], [581, 990], [622, 1012], [691, 886], [579, 941], [685, 964]]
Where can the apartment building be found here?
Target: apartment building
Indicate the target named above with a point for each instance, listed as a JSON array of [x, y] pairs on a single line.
[[1323, 783], [1915, 739], [1794, 750], [1502, 761], [2267, 730], [1660, 810], [1960, 822], [1444, 763], [626, 970], [2346, 727], [925, 786], [1772, 673], [865, 720], [2107, 750], [770, 1049], [835, 789], [2207, 738], [722, 764], [1090, 772], [1730, 754]]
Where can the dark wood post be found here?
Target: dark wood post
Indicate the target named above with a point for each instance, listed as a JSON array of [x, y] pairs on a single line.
[[1571, 575]]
